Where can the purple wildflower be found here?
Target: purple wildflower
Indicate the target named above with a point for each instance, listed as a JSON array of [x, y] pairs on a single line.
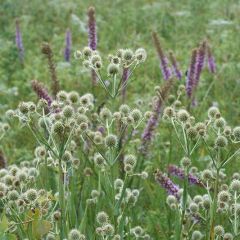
[[152, 123], [19, 42], [167, 184], [166, 72], [211, 60], [68, 43], [41, 92], [191, 74], [178, 172], [92, 37], [200, 62], [125, 76], [175, 66], [92, 33]]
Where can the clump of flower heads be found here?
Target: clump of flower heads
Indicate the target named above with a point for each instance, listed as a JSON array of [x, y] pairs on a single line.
[[117, 64]]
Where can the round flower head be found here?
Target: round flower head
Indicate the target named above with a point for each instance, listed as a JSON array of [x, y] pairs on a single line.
[[212, 111], [95, 58], [31, 195], [118, 184], [13, 195], [227, 131], [58, 127], [171, 199], [220, 123], [87, 52], [224, 196], [192, 132], [207, 175], [141, 54], [183, 115], [227, 236], [219, 230], [235, 185], [236, 133], [105, 114], [221, 141], [138, 231], [74, 234], [136, 115], [169, 112], [68, 111], [196, 235], [108, 229], [117, 237], [77, 54], [111, 141], [102, 218], [62, 96], [99, 160], [23, 107], [130, 160], [95, 194], [127, 55], [193, 207], [73, 97], [113, 69]]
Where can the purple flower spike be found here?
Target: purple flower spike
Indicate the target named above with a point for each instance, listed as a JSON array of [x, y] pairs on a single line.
[[167, 184], [125, 76], [68, 44], [178, 172], [41, 92], [92, 37], [200, 61], [191, 74], [211, 61], [92, 32], [152, 122], [175, 67], [166, 71], [19, 42]]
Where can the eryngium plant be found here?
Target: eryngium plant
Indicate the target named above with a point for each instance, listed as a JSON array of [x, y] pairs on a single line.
[[79, 184], [111, 78]]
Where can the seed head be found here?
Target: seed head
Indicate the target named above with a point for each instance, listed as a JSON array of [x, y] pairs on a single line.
[[113, 69], [102, 218], [236, 133], [219, 230], [221, 141], [183, 115], [31, 195], [111, 141]]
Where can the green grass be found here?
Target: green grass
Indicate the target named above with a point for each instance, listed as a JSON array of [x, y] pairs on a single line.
[[181, 25]]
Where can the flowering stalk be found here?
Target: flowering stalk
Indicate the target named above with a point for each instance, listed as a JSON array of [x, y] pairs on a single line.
[[41, 91], [46, 50], [167, 184], [176, 171], [166, 72], [175, 66], [191, 74], [92, 37], [19, 42], [152, 123], [68, 43], [211, 60], [125, 77], [201, 52]]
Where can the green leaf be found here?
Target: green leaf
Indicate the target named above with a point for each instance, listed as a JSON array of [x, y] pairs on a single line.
[[40, 228]]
